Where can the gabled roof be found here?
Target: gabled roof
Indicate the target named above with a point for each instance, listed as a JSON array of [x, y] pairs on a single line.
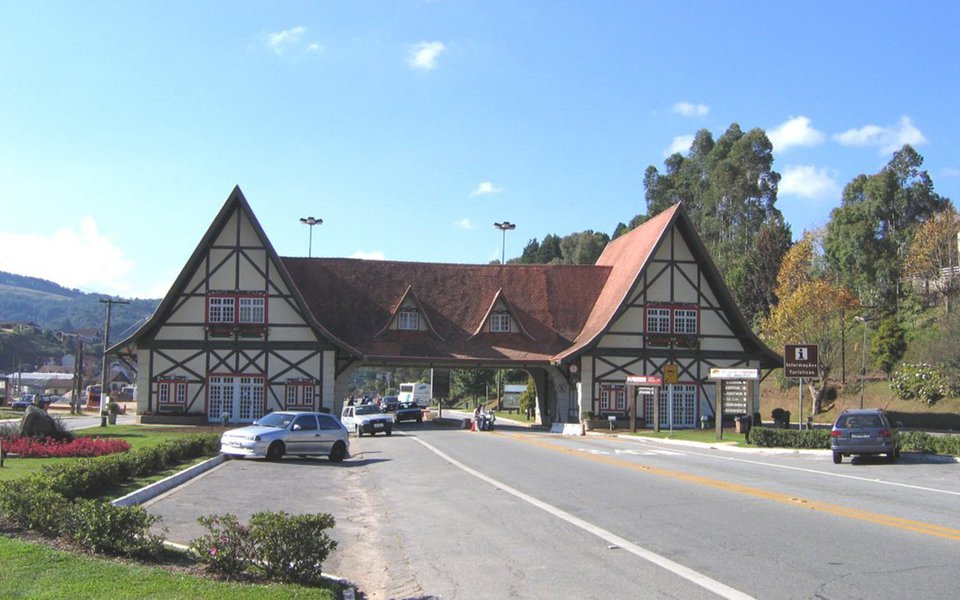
[[353, 299], [408, 294], [628, 256], [235, 202], [500, 298]]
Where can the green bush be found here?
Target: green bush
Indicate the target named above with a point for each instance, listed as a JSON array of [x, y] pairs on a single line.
[[920, 381], [228, 549], [275, 545], [291, 548], [119, 530], [30, 502], [919, 441], [768, 437]]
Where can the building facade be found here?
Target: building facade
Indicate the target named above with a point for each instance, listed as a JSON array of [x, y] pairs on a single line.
[[244, 331]]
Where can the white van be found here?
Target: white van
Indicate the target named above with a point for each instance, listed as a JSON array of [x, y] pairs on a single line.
[[415, 392]]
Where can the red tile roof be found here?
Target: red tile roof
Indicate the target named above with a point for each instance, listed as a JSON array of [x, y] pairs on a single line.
[[356, 299]]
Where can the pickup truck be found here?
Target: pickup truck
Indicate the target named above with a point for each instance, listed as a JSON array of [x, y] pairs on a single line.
[[366, 418]]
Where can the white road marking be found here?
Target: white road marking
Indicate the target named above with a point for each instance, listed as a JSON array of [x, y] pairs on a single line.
[[687, 573], [812, 471]]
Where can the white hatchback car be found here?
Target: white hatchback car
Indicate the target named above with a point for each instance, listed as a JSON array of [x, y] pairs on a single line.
[[288, 432]]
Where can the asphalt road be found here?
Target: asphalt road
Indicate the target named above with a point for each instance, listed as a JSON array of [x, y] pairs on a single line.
[[434, 512]]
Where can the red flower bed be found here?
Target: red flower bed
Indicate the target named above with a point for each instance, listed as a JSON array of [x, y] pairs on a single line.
[[28, 447]]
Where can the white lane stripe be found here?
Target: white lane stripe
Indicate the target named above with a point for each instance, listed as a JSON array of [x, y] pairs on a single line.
[[806, 470], [690, 575]]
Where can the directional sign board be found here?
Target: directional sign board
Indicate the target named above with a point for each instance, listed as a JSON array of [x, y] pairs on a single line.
[[800, 360]]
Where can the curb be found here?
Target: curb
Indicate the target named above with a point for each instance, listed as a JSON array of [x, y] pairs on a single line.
[[164, 485]]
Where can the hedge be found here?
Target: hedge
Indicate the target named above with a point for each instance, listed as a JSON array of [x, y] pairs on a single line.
[[910, 441], [55, 501]]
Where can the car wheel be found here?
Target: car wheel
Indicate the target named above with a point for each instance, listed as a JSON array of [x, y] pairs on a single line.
[[896, 453], [338, 452], [419, 419], [390, 431], [359, 431], [837, 458], [892, 456], [275, 451]]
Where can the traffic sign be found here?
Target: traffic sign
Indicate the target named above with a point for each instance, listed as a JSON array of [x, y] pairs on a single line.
[[800, 360], [671, 373]]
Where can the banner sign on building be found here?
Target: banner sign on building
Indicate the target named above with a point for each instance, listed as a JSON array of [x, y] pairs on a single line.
[[644, 380], [800, 360], [716, 373]]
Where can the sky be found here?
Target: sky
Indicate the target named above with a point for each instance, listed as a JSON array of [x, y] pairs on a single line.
[[411, 127]]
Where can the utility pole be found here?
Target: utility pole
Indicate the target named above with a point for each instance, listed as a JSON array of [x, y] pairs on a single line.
[[103, 375]]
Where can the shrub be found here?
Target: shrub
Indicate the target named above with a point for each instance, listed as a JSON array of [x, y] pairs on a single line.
[[291, 548], [918, 441], [31, 503], [275, 546], [105, 528], [789, 438], [781, 417], [920, 381]]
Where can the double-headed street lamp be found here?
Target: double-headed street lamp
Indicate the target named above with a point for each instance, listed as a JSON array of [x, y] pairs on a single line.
[[504, 227], [311, 221]]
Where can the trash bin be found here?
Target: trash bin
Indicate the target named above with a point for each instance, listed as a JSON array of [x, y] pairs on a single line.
[[742, 423]]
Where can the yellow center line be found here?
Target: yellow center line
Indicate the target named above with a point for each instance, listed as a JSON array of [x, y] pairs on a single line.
[[826, 507]]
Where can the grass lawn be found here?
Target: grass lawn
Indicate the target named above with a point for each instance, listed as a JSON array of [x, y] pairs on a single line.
[[33, 570]]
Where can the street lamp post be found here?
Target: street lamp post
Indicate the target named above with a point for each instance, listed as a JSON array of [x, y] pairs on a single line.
[[863, 365], [103, 375], [504, 228], [311, 221]]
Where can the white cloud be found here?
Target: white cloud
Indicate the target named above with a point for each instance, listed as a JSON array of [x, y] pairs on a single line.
[[888, 139], [75, 258], [424, 55], [374, 255], [688, 109], [464, 224], [281, 40], [795, 131], [680, 144], [807, 181], [486, 188]]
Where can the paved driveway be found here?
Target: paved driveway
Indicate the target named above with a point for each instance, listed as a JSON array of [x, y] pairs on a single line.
[[367, 552]]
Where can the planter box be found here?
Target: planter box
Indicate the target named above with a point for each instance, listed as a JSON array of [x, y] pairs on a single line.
[[172, 419]]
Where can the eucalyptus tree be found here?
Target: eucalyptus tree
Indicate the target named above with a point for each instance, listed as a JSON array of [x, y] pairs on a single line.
[[869, 235], [729, 189]]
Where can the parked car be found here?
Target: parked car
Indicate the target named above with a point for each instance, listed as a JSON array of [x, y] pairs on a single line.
[[409, 411], [22, 402], [290, 432], [865, 431], [389, 403], [366, 418]]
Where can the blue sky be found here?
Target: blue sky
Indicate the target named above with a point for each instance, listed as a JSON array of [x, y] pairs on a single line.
[[410, 127]]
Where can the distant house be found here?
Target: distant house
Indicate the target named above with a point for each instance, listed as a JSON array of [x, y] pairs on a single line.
[[20, 327], [244, 331]]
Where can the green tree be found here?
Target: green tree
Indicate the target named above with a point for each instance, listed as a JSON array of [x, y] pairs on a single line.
[[528, 399], [729, 189], [870, 233], [889, 343], [471, 383]]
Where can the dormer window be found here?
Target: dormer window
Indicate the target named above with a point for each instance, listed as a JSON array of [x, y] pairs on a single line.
[[500, 322], [408, 320]]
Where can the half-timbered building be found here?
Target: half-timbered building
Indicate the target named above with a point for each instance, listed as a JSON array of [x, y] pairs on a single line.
[[244, 331]]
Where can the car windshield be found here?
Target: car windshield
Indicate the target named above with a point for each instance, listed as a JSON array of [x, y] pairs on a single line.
[[281, 420], [367, 409]]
